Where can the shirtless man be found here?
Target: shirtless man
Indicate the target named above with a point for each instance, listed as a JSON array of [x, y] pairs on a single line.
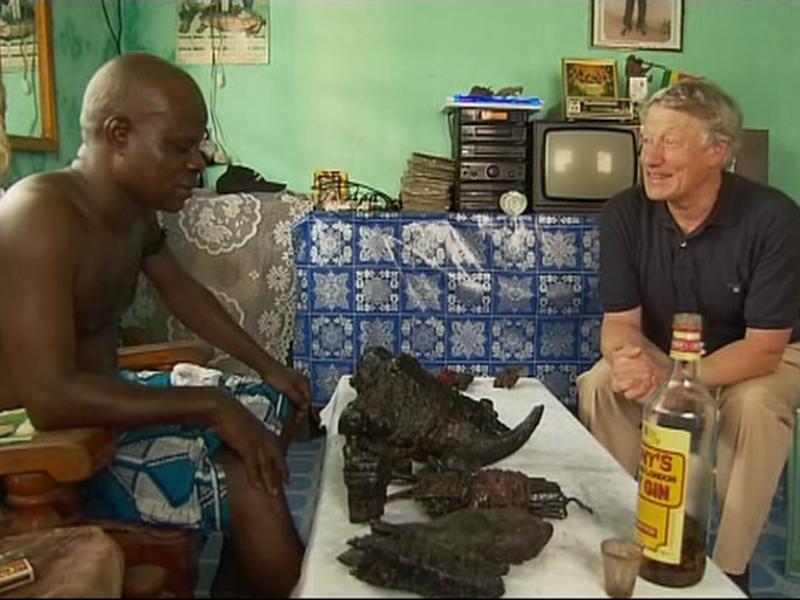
[[72, 243]]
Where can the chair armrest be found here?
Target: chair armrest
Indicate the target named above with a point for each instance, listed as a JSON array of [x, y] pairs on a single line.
[[67, 455], [163, 356]]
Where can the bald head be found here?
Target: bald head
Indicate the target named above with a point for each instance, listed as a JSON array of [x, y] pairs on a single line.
[[134, 86]]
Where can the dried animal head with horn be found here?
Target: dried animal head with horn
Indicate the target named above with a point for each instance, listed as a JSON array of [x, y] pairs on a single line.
[[403, 413]]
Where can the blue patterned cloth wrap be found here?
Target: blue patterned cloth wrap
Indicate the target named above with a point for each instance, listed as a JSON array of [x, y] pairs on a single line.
[[167, 475]]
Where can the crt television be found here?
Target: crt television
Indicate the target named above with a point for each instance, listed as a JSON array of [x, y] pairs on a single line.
[[578, 165]]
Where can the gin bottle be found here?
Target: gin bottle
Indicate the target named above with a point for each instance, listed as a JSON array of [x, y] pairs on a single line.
[[676, 470]]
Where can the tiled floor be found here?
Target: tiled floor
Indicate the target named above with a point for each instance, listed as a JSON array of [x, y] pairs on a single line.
[[767, 579], [305, 464]]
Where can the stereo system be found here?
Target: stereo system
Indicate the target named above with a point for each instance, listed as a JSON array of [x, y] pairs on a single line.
[[481, 134], [492, 171], [493, 151], [492, 148]]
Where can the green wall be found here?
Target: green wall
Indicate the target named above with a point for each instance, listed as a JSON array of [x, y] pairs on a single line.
[[359, 84]]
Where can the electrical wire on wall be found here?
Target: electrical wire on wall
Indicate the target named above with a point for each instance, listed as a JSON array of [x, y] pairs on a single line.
[[217, 77], [116, 32], [29, 79]]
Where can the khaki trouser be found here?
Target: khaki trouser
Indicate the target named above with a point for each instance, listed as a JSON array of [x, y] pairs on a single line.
[[755, 435]]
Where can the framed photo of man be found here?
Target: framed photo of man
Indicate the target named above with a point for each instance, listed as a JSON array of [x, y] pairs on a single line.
[[643, 24]]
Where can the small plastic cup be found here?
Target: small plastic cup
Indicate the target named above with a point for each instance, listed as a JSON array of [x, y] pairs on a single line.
[[621, 560]]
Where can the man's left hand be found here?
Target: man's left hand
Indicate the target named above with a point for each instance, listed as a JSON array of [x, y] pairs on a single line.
[[294, 385]]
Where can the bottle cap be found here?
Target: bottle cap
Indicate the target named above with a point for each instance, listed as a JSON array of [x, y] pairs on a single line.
[[687, 340]]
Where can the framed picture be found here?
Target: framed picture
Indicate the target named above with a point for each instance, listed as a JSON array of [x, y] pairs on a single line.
[[584, 77], [644, 24]]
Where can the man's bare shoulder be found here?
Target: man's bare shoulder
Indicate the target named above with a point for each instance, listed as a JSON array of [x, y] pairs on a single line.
[[44, 203]]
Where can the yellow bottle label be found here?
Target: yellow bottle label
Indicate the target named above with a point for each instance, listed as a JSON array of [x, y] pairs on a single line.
[[662, 492]]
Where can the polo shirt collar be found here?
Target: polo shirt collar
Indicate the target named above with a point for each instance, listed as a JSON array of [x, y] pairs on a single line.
[[724, 214]]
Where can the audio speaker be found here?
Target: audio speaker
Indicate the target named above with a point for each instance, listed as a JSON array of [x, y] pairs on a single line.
[[752, 160]]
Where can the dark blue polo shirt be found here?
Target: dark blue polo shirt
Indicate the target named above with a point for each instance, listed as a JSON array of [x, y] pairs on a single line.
[[740, 269]]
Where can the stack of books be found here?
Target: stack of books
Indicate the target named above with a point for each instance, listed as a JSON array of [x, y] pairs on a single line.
[[427, 183]]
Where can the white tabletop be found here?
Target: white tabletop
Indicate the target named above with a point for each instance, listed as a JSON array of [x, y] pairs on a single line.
[[562, 450]]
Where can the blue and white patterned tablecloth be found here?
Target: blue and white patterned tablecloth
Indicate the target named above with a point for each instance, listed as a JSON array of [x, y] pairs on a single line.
[[469, 291]]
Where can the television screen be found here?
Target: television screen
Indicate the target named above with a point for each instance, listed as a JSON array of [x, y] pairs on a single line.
[[579, 165], [588, 164]]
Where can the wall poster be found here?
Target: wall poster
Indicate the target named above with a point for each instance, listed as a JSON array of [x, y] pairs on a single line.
[[223, 32]]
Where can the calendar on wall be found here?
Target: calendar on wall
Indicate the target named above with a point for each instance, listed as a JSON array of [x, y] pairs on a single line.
[[223, 32]]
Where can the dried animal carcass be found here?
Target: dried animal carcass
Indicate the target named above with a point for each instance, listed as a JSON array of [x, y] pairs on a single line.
[[460, 555], [403, 413], [507, 378], [444, 492], [460, 381]]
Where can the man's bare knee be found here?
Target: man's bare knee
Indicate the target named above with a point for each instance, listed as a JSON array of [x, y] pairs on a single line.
[[263, 532]]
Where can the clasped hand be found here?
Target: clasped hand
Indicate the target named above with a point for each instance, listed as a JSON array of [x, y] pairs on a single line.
[[636, 373]]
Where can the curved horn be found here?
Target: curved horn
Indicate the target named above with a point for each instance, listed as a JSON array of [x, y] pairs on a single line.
[[488, 449]]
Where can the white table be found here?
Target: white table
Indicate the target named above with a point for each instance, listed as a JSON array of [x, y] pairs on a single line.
[[562, 450]]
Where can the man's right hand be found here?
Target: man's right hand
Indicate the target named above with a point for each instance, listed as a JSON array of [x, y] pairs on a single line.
[[258, 448], [636, 373]]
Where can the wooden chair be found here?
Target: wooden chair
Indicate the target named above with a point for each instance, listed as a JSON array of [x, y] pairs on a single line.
[[67, 562], [41, 476]]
